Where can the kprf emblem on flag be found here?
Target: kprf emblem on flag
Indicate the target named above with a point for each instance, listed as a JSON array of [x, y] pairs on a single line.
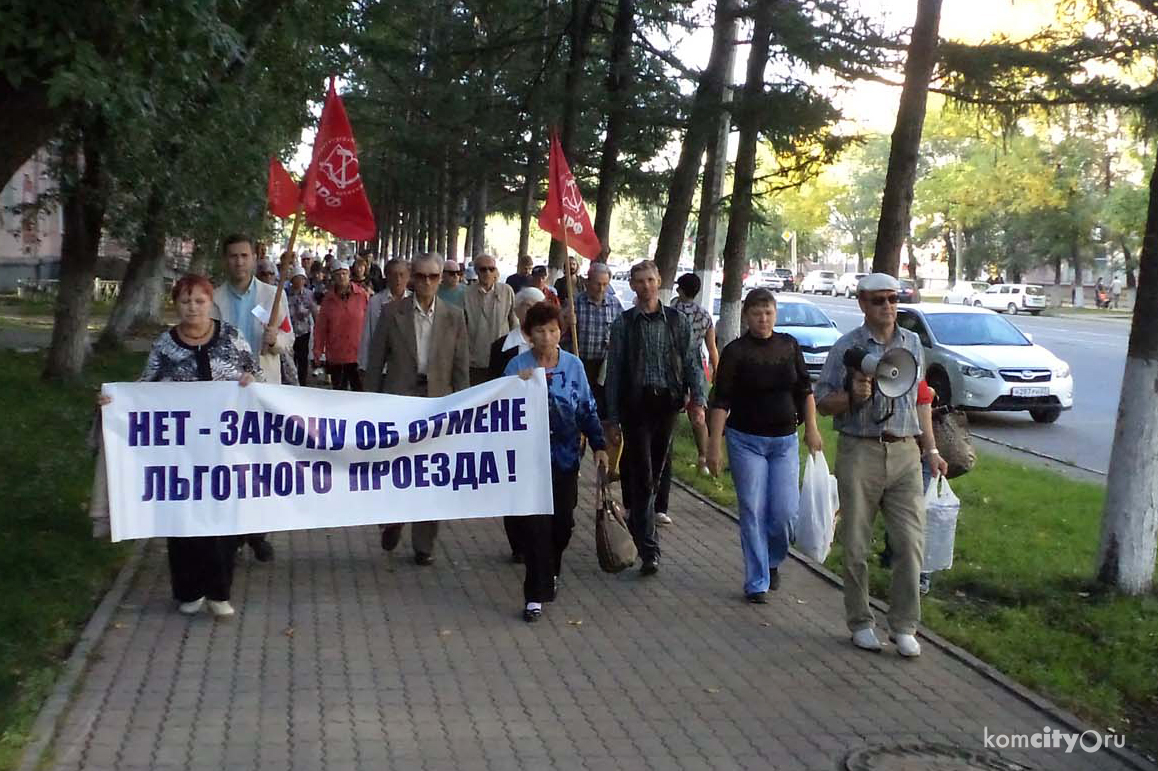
[[335, 198], [565, 216]]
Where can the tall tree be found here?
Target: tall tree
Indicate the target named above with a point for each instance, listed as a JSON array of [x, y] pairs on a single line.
[[619, 72], [897, 201]]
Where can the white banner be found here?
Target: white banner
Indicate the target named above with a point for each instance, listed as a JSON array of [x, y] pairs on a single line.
[[214, 458]]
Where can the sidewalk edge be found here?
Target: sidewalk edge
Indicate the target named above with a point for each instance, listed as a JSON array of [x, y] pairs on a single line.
[[48, 719], [988, 671]]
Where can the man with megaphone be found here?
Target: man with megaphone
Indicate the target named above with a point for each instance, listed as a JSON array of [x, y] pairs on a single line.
[[868, 385]]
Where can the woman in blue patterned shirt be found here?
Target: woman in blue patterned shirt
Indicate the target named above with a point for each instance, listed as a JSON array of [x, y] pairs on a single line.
[[572, 410]]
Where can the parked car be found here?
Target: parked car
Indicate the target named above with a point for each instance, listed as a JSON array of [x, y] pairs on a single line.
[[765, 278], [965, 292], [977, 360], [787, 280], [909, 292], [846, 284], [1012, 298], [805, 321], [819, 282]]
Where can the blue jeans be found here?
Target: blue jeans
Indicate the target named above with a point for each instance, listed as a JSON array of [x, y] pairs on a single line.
[[766, 472]]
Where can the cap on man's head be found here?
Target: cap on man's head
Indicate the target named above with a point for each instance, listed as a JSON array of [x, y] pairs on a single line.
[[299, 271], [539, 270], [878, 282], [340, 265]]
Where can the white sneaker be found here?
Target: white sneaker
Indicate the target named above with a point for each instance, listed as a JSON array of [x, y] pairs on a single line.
[[907, 645], [220, 608], [661, 518], [192, 608], [866, 639]]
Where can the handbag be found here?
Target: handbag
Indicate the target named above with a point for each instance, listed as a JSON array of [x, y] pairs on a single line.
[[951, 432], [613, 542]]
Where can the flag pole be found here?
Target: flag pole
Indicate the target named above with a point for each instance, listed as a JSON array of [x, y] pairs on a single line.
[[284, 263], [570, 287]]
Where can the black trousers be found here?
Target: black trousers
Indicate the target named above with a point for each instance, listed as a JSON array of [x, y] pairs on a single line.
[[544, 537], [646, 445], [511, 526], [302, 357], [663, 491], [201, 566], [345, 377], [591, 368]]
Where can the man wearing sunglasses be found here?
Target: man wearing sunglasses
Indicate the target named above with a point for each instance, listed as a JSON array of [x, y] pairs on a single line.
[[452, 290], [878, 466], [490, 314], [421, 342]]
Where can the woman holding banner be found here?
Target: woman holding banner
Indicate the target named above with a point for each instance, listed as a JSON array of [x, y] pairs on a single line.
[[200, 348], [571, 408]]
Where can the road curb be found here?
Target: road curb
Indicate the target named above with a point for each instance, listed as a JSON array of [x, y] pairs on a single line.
[[49, 718], [988, 671]]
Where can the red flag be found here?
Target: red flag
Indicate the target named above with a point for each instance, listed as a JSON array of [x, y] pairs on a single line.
[[335, 199], [282, 192], [564, 207]]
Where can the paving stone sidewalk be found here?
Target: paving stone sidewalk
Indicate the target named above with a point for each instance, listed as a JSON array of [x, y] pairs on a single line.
[[342, 657]]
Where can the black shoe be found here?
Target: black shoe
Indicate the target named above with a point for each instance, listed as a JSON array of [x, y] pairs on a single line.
[[774, 579], [531, 616], [262, 550], [650, 567], [422, 558], [390, 537], [757, 598], [517, 557]]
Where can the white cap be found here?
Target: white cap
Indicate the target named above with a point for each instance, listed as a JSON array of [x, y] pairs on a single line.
[[878, 282], [299, 271], [340, 265]]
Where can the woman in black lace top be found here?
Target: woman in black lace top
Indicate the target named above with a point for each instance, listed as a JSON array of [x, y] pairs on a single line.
[[762, 392]]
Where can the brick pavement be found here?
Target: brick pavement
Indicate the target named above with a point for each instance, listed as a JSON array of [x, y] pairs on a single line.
[[342, 657]]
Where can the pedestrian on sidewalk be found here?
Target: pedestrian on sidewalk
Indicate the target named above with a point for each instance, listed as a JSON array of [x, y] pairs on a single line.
[[878, 466], [200, 348], [397, 281], [652, 373], [596, 308], [571, 406], [452, 289], [503, 350], [339, 330], [1116, 291], [762, 393], [421, 344], [490, 314], [234, 302], [303, 312]]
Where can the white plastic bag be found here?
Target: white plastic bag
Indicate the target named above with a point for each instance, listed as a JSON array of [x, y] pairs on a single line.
[[819, 502], [941, 509]]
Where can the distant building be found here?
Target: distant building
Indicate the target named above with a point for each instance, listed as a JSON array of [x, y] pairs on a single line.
[[29, 235]]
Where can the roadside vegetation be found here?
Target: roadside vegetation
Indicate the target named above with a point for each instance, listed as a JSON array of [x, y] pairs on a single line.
[[52, 573], [1021, 594]]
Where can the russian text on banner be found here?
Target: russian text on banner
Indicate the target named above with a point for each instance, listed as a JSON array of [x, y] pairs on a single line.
[[189, 459]]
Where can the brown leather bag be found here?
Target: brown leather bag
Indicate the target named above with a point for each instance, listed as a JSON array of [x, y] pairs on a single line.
[[951, 432], [613, 542]]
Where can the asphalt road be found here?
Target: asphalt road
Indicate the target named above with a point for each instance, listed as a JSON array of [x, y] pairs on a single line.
[[1096, 352]]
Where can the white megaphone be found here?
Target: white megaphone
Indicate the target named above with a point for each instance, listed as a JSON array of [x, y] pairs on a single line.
[[894, 372]]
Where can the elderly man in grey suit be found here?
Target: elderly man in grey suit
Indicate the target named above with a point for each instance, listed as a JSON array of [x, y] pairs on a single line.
[[423, 344]]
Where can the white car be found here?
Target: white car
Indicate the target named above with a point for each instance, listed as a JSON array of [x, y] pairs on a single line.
[[765, 278], [1012, 298], [977, 360], [804, 320], [819, 282], [965, 292], [846, 284]]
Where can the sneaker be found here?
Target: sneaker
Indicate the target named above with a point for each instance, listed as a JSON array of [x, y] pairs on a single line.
[[661, 518], [220, 608], [702, 467], [866, 639], [907, 645], [774, 579], [925, 583], [757, 598], [262, 550], [192, 608]]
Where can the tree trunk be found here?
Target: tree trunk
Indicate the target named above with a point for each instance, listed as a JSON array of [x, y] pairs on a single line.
[[748, 118], [950, 255], [712, 188], [1128, 264], [859, 255], [700, 129], [452, 223], [619, 77], [86, 192], [527, 204], [912, 259], [1129, 543], [139, 298], [897, 201], [443, 205], [478, 231], [1079, 289]]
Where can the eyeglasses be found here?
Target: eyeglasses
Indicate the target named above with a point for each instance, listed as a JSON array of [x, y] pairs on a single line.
[[452, 272], [891, 299], [425, 276], [484, 269]]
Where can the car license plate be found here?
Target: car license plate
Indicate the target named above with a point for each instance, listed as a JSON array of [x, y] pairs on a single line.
[[1029, 391], [815, 358]]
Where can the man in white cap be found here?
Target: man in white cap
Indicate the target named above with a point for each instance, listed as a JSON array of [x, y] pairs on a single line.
[[878, 466], [339, 329], [303, 310]]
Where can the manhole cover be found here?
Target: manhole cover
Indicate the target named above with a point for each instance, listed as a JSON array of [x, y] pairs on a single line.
[[928, 757]]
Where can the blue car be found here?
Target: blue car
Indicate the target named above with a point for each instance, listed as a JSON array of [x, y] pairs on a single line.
[[805, 321]]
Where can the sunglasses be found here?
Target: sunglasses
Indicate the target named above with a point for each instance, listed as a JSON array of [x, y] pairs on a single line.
[[452, 272], [425, 276], [485, 270], [891, 299]]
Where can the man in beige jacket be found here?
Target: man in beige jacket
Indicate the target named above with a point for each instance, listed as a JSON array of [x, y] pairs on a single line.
[[490, 314]]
